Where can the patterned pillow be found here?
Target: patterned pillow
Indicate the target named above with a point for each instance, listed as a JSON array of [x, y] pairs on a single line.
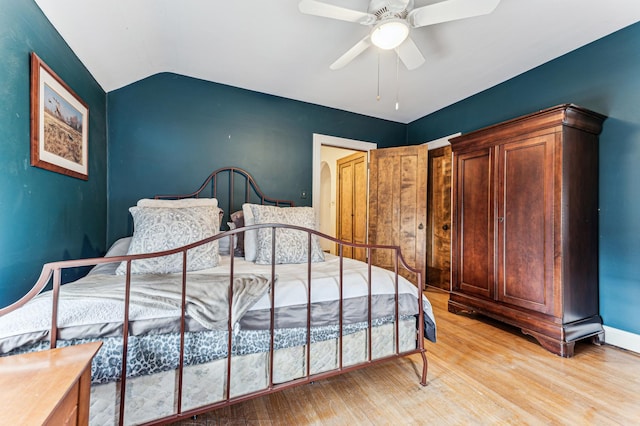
[[163, 228], [291, 245]]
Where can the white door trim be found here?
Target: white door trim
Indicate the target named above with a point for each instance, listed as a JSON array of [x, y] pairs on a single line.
[[439, 143]]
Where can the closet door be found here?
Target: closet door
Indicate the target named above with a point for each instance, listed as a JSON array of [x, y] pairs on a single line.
[[398, 205], [352, 203], [525, 223], [473, 240]]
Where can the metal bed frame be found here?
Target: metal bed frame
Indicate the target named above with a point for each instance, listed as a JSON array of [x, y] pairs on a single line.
[[51, 272]]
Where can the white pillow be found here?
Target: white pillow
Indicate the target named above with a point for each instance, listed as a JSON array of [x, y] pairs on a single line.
[[225, 242], [163, 228], [184, 202], [119, 248], [250, 237], [291, 245]]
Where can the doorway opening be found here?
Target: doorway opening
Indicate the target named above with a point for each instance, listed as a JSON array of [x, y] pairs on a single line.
[[439, 213], [327, 150]]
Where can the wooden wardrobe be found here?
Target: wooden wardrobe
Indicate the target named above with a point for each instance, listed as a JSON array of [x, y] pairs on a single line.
[[525, 225]]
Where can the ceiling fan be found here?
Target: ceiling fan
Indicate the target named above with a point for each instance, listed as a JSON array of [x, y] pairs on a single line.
[[391, 21]]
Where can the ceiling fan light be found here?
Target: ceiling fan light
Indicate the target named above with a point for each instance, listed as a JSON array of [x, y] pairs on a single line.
[[390, 34]]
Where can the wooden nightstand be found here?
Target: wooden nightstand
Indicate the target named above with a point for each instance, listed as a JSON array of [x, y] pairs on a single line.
[[50, 387]]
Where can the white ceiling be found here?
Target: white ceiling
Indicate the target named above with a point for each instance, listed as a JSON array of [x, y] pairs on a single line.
[[270, 47]]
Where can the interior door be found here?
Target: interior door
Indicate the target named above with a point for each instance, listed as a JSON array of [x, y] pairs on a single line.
[[439, 218], [398, 205], [352, 203]]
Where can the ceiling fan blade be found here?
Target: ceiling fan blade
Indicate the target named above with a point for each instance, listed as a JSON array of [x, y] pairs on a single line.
[[410, 54], [312, 7], [450, 10], [351, 54]]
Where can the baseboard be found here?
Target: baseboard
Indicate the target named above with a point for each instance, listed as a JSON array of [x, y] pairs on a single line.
[[622, 339]]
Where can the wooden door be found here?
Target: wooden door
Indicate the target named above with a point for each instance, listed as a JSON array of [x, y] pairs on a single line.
[[352, 203], [473, 244], [525, 223], [398, 205], [439, 218]]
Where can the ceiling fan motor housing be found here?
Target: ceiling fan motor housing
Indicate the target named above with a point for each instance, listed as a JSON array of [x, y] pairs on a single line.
[[390, 9]]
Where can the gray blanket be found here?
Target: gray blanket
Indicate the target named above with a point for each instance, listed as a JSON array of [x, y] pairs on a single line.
[[207, 296], [94, 306]]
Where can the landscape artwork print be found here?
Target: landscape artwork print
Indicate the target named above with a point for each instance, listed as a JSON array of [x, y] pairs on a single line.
[[58, 124]]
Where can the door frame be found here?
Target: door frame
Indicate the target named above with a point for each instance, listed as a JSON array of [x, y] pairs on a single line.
[[435, 144], [318, 141], [440, 142]]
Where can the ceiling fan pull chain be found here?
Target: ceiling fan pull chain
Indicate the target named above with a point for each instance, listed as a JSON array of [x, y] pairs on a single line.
[[378, 95], [397, 80]]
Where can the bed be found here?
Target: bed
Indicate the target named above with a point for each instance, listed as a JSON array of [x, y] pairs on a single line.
[[219, 296]]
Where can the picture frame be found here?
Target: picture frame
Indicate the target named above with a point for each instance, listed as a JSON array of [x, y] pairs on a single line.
[[59, 124]]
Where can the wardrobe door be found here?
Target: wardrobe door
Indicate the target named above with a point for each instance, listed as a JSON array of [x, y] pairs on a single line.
[[473, 221], [398, 205], [525, 223]]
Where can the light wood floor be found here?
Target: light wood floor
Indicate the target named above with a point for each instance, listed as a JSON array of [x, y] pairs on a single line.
[[480, 372]]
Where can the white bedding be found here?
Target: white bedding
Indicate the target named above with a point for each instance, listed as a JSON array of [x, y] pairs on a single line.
[[292, 278], [32, 322], [291, 287]]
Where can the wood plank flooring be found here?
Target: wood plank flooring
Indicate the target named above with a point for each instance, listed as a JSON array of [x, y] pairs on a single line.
[[480, 372]]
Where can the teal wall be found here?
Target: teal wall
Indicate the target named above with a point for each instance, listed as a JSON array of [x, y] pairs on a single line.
[[44, 216], [168, 132], [603, 76]]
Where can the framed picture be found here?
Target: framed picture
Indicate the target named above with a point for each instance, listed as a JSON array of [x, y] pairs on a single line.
[[59, 124]]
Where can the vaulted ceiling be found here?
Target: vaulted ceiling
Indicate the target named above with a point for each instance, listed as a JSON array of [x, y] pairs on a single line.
[[270, 47]]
